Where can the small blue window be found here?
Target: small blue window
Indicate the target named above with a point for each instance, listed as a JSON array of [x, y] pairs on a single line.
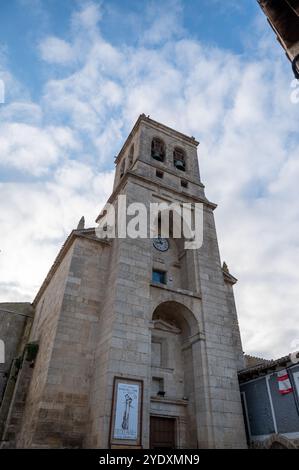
[[159, 276]]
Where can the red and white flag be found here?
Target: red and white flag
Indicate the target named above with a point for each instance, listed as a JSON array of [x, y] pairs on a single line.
[[284, 384]]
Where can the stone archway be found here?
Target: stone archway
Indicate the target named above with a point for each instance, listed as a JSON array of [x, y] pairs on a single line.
[[275, 441], [172, 369], [177, 313]]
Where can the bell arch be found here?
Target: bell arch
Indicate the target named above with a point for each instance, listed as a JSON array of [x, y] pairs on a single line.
[[179, 158], [158, 151]]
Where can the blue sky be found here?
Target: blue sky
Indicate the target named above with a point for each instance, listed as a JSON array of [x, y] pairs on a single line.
[[25, 22], [77, 75]]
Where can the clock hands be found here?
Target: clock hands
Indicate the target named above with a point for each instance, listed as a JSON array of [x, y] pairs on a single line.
[[160, 243]]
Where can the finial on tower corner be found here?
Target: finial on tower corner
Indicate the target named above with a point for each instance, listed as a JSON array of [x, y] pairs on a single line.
[[81, 224], [225, 267]]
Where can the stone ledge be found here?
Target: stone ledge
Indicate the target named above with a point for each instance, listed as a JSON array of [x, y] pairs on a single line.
[[170, 401], [189, 293]]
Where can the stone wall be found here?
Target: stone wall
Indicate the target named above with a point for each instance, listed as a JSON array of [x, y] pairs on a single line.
[[222, 351], [44, 331], [13, 320], [15, 325], [58, 395]]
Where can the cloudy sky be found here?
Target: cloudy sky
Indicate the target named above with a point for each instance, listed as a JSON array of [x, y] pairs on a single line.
[[78, 73]]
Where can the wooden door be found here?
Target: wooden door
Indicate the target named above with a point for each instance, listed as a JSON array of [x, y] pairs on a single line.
[[162, 432]]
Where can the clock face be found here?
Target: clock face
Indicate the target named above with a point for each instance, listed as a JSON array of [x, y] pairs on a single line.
[[161, 244]]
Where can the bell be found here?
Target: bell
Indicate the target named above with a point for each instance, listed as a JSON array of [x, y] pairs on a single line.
[[179, 164], [157, 156]]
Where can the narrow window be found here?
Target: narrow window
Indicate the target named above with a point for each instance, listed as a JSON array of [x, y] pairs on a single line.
[[131, 154], [179, 159], [159, 276], [158, 150], [158, 386], [159, 174], [122, 168], [156, 356]]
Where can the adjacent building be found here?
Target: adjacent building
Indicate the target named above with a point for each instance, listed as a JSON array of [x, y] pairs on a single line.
[[283, 17], [270, 400]]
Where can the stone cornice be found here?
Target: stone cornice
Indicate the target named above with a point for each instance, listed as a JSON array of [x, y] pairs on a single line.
[[229, 277], [189, 293], [171, 401], [13, 312], [124, 180], [183, 176]]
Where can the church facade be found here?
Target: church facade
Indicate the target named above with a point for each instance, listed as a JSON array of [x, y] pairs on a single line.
[[132, 342]]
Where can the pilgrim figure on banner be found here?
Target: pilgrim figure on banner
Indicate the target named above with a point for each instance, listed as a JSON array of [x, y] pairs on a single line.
[[126, 413]]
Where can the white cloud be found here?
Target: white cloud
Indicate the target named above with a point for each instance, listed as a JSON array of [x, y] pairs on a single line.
[[74, 175], [87, 17], [238, 107], [56, 51], [165, 22], [35, 220], [34, 150], [22, 111]]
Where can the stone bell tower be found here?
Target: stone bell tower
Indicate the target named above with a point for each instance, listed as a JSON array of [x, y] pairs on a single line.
[[139, 342]]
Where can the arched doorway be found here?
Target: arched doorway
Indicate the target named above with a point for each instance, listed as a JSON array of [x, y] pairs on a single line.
[[173, 416]]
